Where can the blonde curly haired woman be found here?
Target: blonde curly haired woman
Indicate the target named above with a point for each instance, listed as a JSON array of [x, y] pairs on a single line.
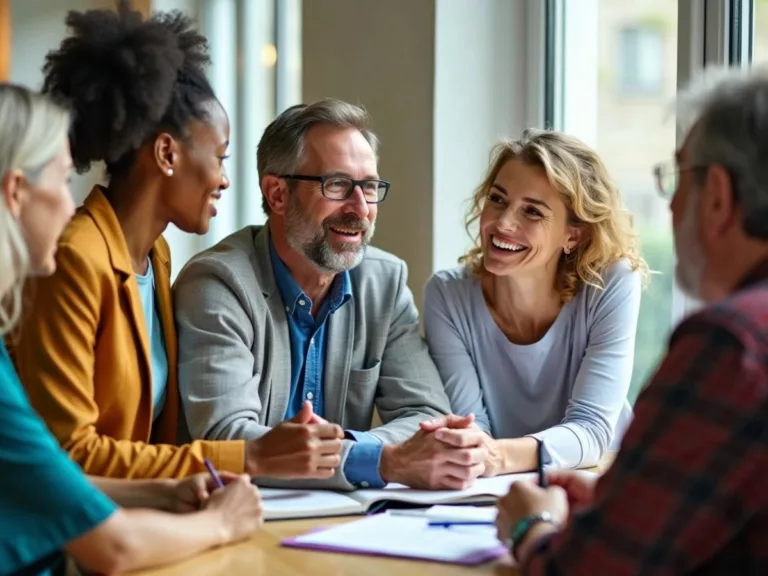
[[534, 334], [46, 502]]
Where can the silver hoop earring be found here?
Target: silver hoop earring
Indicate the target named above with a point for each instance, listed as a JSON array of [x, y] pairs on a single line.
[[170, 172]]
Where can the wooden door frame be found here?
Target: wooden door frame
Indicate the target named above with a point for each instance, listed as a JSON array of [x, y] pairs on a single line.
[[5, 40], [143, 6]]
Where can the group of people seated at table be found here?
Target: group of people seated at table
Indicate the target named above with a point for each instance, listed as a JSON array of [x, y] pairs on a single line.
[[274, 351]]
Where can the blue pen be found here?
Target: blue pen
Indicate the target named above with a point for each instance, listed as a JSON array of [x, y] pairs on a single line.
[[212, 470], [439, 524]]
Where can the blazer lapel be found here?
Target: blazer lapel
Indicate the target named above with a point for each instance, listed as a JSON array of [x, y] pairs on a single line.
[[132, 296], [105, 219], [278, 343], [338, 358]]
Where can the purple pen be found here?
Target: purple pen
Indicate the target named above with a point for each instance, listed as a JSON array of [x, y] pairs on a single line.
[[212, 470]]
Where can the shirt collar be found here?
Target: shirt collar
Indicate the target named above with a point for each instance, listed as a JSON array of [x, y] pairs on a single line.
[[341, 289], [149, 274]]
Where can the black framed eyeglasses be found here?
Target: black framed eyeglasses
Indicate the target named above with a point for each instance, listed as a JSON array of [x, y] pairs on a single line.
[[341, 187]]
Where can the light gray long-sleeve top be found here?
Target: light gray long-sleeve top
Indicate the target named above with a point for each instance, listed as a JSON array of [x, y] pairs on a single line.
[[568, 390]]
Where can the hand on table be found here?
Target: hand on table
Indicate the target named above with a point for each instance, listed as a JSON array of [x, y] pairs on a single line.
[[424, 461], [461, 431], [305, 446]]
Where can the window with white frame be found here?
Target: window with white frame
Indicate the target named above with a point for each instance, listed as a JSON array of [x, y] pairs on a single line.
[[599, 53], [669, 43]]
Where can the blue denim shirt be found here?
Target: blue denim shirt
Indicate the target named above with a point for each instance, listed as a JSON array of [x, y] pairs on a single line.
[[308, 337]]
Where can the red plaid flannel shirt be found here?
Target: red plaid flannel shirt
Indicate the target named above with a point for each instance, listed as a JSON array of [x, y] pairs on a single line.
[[688, 492]]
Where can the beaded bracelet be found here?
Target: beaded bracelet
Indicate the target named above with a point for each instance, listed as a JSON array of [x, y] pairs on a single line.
[[524, 525]]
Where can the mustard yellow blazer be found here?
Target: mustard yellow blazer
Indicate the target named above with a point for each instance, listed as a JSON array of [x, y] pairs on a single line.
[[83, 356]]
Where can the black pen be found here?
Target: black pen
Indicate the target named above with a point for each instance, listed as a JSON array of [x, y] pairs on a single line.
[[540, 457]]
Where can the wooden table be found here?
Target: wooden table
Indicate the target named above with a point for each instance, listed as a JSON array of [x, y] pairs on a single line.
[[262, 555]]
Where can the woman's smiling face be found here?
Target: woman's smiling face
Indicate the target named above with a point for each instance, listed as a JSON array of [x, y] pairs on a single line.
[[524, 222]]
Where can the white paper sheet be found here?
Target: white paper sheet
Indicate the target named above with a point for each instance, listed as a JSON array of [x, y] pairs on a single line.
[[453, 513], [406, 537], [281, 504]]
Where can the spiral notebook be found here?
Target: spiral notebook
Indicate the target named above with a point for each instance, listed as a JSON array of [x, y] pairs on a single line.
[[405, 537]]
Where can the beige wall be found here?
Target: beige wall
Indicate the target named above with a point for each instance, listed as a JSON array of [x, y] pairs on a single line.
[[443, 80], [379, 53]]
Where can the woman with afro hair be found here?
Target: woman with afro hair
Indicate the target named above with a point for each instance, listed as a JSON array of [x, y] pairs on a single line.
[[97, 348]]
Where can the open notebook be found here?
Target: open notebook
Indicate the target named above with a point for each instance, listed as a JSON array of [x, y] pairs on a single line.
[[280, 504]]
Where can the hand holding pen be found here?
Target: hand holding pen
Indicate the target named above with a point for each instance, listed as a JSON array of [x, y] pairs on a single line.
[[528, 503], [234, 505], [192, 493], [579, 487]]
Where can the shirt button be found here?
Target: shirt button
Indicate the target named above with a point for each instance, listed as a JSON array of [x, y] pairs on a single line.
[[302, 302], [287, 309], [364, 484], [310, 395], [312, 342]]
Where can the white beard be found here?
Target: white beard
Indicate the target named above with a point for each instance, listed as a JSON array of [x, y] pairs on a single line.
[[691, 261]]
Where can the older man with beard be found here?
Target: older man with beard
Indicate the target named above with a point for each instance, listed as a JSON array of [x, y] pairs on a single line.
[[292, 333], [687, 492]]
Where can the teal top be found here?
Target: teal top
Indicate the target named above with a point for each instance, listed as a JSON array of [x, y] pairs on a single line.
[[156, 340], [45, 499]]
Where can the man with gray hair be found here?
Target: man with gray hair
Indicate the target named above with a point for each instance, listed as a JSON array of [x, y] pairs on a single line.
[[687, 492], [292, 333]]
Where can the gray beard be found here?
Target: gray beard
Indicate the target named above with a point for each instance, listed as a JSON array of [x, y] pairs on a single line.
[[691, 260], [311, 240]]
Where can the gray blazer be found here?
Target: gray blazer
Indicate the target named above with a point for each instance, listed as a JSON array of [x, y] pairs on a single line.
[[235, 355]]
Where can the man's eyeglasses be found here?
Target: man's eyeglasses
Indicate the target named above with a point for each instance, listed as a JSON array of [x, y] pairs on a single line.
[[667, 175], [341, 187]]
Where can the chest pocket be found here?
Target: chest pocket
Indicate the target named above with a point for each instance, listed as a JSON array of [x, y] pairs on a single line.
[[361, 394], [365, 377]]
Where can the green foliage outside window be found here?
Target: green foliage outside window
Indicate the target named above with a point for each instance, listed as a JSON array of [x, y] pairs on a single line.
[[653, 327]]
